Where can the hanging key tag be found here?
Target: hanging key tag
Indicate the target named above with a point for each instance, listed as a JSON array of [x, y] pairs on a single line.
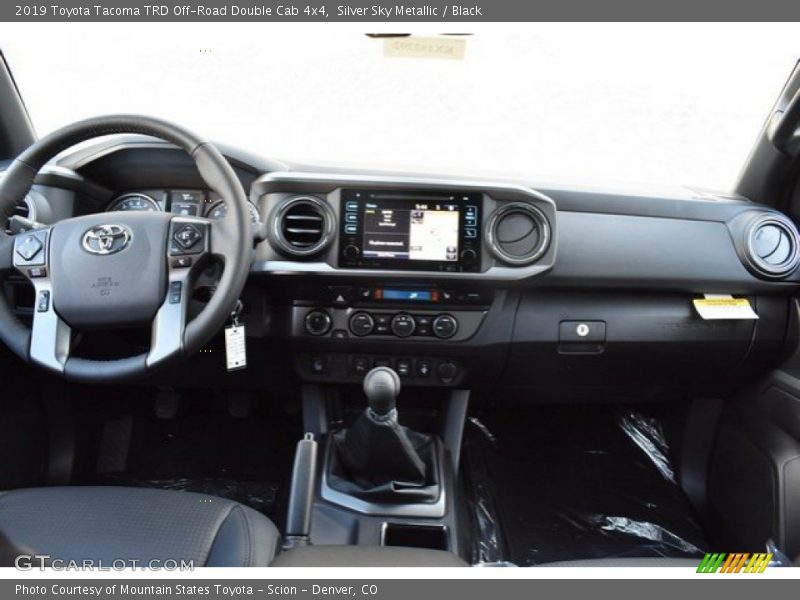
[[235, 342]]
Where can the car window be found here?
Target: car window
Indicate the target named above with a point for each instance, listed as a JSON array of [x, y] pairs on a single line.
[[628, 103]]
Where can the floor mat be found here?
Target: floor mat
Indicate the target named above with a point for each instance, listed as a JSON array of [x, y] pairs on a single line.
[[205, 449], [569, 483]]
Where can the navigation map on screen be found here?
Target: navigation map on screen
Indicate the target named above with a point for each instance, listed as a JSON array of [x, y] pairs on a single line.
[[418, 231]]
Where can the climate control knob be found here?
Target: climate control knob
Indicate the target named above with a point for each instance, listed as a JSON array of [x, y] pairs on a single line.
[[317, 322], [445, 326], [362, 324], [403, 325]]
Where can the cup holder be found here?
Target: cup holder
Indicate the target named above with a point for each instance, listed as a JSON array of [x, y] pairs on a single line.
[[433, 537]]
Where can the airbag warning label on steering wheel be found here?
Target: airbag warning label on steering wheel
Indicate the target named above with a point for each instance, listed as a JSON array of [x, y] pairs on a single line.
[[235, 349]]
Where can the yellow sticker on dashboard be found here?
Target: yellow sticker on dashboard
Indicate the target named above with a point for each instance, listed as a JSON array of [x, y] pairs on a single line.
[[723, 306], [448, 48]]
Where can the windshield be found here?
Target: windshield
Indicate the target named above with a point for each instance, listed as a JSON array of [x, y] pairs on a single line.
[[663, 104]]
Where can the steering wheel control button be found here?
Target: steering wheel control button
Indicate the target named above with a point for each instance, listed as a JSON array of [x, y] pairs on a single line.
[[37, 272], [29, 247], [43, 301], [582, 332], [445, 326], [403, 325], [187, 236], [317, 322], [175, 292], [181, 262], [361, 324]]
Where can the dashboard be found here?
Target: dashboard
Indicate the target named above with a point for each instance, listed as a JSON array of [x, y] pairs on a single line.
[[538, 292], [195, 203]]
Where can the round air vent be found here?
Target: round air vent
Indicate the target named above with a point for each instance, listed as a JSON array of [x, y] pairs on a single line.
[[303, 226], [773, 245], [518, 233]]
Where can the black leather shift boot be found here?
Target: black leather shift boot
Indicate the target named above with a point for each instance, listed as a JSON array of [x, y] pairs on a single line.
[[380, 461]]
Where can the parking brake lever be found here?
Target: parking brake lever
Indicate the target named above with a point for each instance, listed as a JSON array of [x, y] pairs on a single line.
[[301, 495]]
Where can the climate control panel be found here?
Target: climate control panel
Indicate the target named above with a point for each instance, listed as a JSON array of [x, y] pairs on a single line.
[[402, 324], [361, 323]]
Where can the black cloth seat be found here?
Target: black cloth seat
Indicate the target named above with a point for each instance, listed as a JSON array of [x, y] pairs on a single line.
[[133, 524]]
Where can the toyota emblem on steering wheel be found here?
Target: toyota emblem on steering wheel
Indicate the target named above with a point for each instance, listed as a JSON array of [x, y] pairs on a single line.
[[106, 239]]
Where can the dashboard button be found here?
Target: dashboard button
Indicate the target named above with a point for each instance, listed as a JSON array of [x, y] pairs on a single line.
[[403, 367], [403, 325], [318, 365], [424, 323], [447, 371], [445, 326], [424, 368], [317, 322], [361, 324], [341, 295], [360, 365]]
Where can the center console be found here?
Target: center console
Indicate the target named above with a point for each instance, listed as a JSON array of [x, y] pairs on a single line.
[[399, 272], [400, 276]]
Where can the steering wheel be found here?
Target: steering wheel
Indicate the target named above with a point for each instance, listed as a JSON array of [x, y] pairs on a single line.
[[120, 269]]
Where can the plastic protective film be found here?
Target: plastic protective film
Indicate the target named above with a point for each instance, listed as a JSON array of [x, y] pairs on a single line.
[[554, 484]]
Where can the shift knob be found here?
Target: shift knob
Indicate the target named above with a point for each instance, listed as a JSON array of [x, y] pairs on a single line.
[[381, 386]]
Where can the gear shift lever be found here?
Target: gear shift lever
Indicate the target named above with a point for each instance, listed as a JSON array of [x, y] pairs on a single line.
[[381, 387], [377, 453]]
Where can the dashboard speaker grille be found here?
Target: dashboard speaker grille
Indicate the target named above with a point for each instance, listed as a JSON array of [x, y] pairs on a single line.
[[303, 226], [518, 233], [773, 246]]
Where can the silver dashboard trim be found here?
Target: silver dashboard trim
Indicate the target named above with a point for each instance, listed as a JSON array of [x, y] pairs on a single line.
[[495, 272]]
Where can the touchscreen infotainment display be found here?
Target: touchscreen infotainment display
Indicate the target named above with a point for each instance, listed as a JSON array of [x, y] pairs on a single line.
[[410, 230]]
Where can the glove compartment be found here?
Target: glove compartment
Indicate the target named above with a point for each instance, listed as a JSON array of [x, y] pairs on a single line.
[[612, 347]]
